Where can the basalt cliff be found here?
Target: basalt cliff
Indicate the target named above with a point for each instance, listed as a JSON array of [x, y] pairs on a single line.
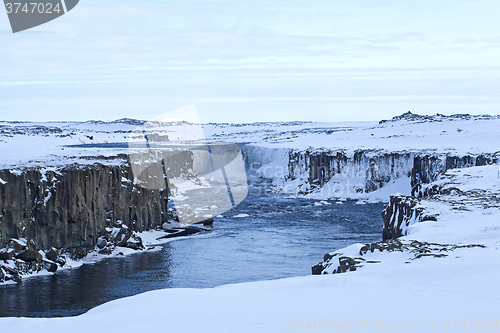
[[71, 206]]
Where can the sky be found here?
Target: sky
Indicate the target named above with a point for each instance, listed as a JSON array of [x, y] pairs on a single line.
[[246, 61]]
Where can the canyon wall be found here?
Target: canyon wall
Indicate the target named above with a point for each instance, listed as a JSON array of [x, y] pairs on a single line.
[[426, 168], [369, 170], [72, 205]]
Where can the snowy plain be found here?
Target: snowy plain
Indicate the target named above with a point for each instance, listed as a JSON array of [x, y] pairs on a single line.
[[24, 143]]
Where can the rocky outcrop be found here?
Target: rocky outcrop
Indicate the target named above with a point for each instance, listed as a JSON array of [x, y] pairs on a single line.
[[368, 169], [401, 212], [118, 235], [426, 168], [19, 259], [72, 206], [413, 117], [340, 263]]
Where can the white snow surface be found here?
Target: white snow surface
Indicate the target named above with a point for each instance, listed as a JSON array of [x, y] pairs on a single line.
[[26, 143]]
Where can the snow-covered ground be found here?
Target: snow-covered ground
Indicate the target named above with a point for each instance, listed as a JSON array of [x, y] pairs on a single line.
[[396, 290], [24, 143]]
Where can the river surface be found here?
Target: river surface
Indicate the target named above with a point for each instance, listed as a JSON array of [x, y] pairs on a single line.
[[281, 237]]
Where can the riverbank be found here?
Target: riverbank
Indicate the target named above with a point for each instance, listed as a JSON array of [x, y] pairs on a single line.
[[19, 262]]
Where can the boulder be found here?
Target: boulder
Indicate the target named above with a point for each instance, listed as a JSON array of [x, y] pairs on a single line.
[[317, 269], [122, 237], [135, 243], [52, 254], [61, 260], [17, 245], [7, 254], [117, 224], [11, 274], [109, 237], [102, 242], [49, 265], [27, 255]]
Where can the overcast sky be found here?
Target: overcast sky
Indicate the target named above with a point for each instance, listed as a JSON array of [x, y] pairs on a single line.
[[243, 61]]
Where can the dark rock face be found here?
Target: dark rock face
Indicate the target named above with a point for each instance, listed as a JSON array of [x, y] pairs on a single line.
[[402, 210], [398, 214], [426, 168], [72, 206], [368, 168]]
